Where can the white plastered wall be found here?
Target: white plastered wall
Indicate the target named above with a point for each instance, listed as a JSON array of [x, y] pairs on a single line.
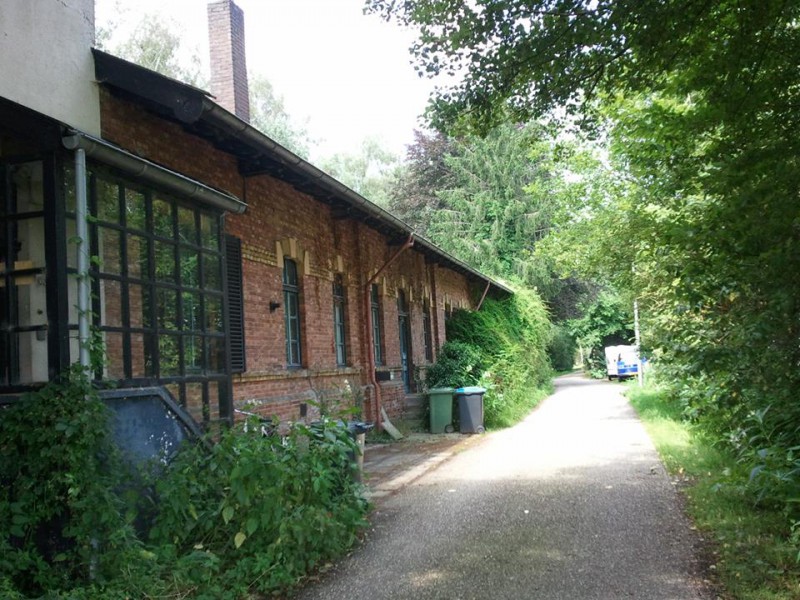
[[46, 61]]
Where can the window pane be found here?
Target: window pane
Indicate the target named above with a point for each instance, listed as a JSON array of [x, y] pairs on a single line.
[[190, 267], [138, 297], [72, 298], [107, 200], [114, 365], [109, 251], [215, 391], [27, 187], [167, 308], [209, 231], [31, 300], [138, 261], [69, 188], [193, 354], [163, 219], [29, 244], [187, 227], [194, 400], [141, 358], [212, 271], [289, 272], [216, 355], [192, 320], [165, 261], [72, 245], [213, 314], [29, 350], [135, 210], [111, 303], [168, 355]]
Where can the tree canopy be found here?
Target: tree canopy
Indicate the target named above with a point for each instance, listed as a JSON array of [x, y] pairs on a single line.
[[689, 199], [527, 57]]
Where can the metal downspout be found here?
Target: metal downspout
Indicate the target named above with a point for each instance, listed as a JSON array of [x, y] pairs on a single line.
[[370, 339], [81, 230]]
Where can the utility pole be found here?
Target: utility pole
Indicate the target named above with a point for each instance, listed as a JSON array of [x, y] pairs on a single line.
[[639, 370]]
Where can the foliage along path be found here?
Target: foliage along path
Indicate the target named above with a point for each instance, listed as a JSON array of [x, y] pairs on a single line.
[[570, 504]]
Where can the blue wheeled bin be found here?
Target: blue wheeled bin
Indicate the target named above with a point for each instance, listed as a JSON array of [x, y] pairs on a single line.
[[470, 409]]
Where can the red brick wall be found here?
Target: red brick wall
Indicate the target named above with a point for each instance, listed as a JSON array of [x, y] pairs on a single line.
[[281, 221]]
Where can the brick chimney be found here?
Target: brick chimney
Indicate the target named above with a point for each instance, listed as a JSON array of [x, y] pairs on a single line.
[[228, 64]]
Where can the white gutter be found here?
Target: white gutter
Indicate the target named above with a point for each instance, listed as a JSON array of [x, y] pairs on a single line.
[[150, 171]]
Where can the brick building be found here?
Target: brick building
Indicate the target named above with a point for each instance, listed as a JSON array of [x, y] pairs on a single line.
[[228, 271]]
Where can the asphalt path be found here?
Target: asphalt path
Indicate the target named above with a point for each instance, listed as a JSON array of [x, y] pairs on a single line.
[[572, 503]]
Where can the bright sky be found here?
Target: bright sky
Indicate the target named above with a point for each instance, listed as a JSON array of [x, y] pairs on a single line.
[[348, 74]]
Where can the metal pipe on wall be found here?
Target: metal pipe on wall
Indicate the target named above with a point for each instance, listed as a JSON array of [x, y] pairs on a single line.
[[81, 231], [370, 339]]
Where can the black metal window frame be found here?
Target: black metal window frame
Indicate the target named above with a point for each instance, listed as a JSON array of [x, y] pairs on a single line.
[[339, 320], [161, 259], [377, 330], [291, 309], [13, 273]]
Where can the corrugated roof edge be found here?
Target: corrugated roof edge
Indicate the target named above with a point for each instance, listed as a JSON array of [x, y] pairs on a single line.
[[190, 104]]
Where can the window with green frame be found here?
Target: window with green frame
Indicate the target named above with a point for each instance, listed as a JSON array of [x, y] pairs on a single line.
[[377, 332], [339, 319], [291, 308]]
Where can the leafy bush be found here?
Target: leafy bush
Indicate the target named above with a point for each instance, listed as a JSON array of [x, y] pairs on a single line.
[[252, 514], [511, 336], [60, 520], [257, 513], [457, 364]]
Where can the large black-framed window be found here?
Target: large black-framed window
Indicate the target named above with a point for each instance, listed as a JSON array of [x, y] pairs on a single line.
[[427, 338], [158, 291], [24, 302], [339, 319], [377, 331], [291, 307]]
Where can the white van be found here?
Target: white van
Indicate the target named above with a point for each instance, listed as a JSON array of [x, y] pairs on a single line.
[[621, 362]]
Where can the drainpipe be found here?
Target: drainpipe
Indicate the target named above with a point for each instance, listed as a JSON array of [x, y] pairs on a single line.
[[81, 213], [486, 291], [370, 340]]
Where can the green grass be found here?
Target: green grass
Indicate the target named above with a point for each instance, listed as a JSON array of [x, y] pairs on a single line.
[[750, 552]]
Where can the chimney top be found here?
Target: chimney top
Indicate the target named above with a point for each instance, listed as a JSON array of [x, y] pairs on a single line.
[[228, 62]]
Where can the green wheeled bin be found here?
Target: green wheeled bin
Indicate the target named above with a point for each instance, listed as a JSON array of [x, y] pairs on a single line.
[[441, 409]]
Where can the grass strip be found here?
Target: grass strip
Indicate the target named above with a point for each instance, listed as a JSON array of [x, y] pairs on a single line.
[[752, 556]]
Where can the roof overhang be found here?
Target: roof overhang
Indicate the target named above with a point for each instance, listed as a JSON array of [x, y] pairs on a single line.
[[259, 154]]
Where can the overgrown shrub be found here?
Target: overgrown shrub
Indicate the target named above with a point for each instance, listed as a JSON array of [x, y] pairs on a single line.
[[457, 364], [252, 514], [511, 336], [257, 513], [60, 519]]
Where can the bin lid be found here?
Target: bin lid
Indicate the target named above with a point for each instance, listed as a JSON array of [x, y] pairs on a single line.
[[441, 390], [471, 390]]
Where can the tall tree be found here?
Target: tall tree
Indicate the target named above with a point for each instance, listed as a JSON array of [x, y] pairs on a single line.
[[369, 172], [268, 114], [700, 103]]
